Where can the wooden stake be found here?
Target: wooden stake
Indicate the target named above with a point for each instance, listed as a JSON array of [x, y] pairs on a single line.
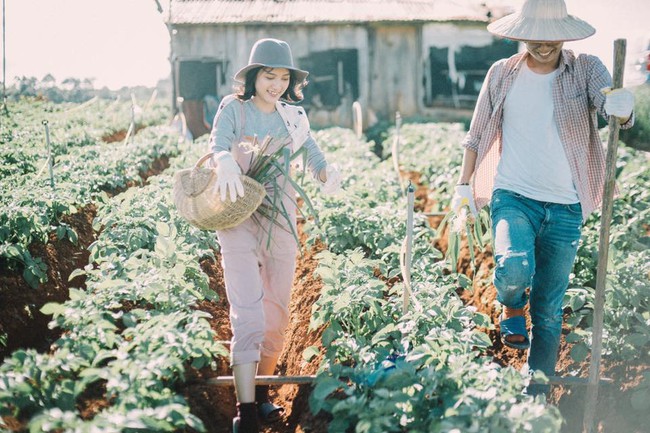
[[588, 423], [357, 119], [50, 158]]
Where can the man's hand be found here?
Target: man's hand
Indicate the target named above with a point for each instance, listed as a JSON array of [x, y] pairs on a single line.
[[619, 103], [228, 172], [463, 196]]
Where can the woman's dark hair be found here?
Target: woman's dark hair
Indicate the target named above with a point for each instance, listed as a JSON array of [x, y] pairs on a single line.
[[292, 94]]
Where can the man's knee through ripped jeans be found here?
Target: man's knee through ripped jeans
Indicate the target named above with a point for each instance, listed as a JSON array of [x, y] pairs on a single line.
[[513, 274]]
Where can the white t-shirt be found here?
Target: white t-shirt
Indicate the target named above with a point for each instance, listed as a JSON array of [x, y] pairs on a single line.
[[533, 161]]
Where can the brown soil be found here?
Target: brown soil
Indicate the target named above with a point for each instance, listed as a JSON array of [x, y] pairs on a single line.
[[120, 135], [614, 411], [22, 322], [215, 406], [21, 319]]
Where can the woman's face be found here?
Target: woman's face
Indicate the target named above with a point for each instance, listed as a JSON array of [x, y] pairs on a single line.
[[544, 56], [270, 85]]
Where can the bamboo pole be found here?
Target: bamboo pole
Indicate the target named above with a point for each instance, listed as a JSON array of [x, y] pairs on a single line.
[[265, 380], [588, 422]]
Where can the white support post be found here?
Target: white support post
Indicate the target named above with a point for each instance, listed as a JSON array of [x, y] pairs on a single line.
[[406, 269]]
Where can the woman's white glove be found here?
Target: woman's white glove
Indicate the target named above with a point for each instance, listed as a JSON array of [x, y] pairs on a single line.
[[332, 184], [463, 196], [619, 103], [228, 173]]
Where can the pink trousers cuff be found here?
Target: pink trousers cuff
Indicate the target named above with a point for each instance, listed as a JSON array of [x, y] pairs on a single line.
[[245, 357]]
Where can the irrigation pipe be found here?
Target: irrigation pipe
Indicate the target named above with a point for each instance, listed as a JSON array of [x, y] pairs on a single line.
[[588, 422], [265, 380]]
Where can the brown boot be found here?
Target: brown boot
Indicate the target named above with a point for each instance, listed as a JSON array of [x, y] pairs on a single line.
[[267, 412], [246, 421]]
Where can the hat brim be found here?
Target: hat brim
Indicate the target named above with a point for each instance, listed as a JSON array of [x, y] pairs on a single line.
[[519, 28], [240, 76]]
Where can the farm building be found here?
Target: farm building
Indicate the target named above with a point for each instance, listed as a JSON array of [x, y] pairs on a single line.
[[419, 57]]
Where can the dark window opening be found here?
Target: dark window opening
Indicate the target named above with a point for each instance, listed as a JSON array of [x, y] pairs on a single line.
[[460, 88], [333, 78], [197, 79], [198, 84]]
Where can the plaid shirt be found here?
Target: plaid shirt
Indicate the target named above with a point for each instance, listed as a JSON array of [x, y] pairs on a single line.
[[577, 98]]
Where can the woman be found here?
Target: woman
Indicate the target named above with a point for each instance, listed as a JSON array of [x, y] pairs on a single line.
[[259, 274]]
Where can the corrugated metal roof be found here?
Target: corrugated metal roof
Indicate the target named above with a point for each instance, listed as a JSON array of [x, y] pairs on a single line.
[[331, 11]]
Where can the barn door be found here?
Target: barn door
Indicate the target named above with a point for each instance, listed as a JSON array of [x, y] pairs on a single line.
[[393, 70]]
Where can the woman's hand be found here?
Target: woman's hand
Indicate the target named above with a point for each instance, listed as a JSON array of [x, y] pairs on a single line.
[[228, 172], [330, 178]]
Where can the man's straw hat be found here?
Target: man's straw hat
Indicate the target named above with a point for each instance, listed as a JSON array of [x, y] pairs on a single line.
[[542, 20]]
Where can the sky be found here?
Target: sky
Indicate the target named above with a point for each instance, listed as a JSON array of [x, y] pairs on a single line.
[[116, 42], [125, 42]]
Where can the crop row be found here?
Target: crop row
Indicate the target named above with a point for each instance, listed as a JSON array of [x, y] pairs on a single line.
[[23, 136], [84, 169], [131, 334], [385, 369], [627, 311]]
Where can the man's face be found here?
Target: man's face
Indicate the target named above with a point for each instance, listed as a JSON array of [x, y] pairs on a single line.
[[545, 54]]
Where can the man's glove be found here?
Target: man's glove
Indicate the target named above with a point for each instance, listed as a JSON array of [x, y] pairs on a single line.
[[228, 172], [332, 185], [619, 103], [463, 196]]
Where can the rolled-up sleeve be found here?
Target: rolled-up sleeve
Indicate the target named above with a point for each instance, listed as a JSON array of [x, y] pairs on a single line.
[[481, 116], [600, 78], [315, 157]]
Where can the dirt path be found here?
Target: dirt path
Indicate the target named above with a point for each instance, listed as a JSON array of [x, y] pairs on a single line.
[[216, 405], [615, 413]]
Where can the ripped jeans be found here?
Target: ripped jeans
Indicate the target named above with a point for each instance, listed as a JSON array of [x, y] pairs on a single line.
[[535, 245]]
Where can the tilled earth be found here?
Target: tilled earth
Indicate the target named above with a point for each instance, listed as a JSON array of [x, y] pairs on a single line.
[[27, 327]]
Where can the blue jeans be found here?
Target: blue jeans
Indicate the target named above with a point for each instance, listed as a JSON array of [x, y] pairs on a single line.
[[535, 246]]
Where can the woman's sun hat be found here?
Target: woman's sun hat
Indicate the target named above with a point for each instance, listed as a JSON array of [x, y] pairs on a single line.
[[542, 20], [270, 53]]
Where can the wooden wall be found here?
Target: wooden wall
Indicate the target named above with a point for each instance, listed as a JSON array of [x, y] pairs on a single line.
[[392, 57]]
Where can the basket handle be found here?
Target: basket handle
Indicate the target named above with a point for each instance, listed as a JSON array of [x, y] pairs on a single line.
[[202, 160]]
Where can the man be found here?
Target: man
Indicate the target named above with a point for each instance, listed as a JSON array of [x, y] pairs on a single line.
[[533, 152]]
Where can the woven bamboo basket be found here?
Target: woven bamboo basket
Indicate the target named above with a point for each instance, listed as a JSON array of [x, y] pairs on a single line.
[[197, 201]]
